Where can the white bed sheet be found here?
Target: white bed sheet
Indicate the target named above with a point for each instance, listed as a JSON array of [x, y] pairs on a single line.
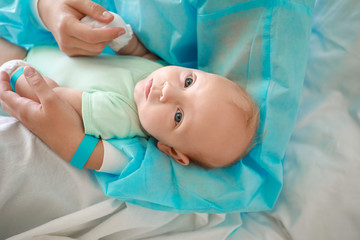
[[321, 193], [42, 197]]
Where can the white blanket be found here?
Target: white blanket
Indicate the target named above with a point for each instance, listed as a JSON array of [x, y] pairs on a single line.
[[42, 197]]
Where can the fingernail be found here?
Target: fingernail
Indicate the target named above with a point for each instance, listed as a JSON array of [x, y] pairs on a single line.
[[28, 72], [106, 14]]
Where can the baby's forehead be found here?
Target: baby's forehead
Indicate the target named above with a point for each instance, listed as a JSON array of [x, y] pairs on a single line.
[[229, 91], [225, 109]]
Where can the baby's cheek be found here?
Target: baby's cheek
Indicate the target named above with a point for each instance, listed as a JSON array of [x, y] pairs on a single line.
[[146, 121], [154, 126]]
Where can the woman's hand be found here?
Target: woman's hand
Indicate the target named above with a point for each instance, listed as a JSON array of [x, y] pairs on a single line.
[[53, 120], [62, 18]]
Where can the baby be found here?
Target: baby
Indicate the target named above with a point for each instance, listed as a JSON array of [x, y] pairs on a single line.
[[195, 116]]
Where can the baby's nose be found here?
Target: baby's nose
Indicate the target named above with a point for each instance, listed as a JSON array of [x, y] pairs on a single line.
[[168, 93]]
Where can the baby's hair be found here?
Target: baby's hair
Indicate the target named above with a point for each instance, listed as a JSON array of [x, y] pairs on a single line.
[[252, 119], [252, 122]]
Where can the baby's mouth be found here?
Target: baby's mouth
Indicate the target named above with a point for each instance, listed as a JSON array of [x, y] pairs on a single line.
[[148, 87]]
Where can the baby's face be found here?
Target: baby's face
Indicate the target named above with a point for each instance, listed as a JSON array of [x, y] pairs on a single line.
[[190, 112]]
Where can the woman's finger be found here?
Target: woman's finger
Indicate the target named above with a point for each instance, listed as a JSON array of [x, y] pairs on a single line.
[[76, 46], [4, 82], [92, 9], [5, 95], [13, 104], [93, 35]]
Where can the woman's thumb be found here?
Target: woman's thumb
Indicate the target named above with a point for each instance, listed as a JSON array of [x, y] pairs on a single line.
[[38, 84], [94, 10]]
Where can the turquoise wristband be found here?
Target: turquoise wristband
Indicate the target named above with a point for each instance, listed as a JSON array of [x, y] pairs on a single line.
[[15, 77], [84, 151]]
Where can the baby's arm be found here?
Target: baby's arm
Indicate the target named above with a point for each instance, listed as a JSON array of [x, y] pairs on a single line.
[[112, 160], [10, 51], [53, 119], [71, 96]]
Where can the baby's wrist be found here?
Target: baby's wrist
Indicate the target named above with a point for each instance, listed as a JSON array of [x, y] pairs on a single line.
[[136, 48], [130, 48]]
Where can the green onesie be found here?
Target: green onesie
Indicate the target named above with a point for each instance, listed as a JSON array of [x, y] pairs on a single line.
[[107, 82]]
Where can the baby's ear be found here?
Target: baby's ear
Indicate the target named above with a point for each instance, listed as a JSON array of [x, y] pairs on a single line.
[[176, 155]]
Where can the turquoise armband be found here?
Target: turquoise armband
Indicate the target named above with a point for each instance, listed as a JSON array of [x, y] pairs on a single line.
[[15, 77], [84, 151]]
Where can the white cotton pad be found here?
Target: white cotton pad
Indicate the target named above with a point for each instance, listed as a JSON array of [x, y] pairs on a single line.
[[119, 42], [12, 65]]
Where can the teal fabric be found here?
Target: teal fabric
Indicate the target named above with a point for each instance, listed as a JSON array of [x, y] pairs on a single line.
[[18, 24], [263, 45]]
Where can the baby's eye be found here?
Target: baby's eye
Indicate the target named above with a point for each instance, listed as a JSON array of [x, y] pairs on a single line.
[[188, 81], [178, 116]]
